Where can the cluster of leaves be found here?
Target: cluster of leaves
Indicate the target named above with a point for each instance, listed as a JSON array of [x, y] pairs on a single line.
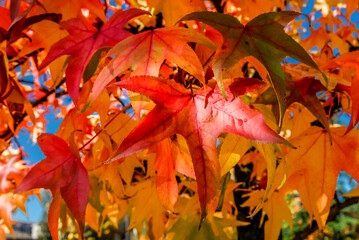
[[161, 101]]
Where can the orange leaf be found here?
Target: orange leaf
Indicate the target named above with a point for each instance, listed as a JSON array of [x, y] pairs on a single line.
[[166, 184], [316, 164], [276, 209], [172, 11], [71, 9]]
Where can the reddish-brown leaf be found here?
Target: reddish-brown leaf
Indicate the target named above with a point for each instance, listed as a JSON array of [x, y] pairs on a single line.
[[305, 92]]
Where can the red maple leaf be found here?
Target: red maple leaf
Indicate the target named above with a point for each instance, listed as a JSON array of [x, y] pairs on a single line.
[[84, 40], [200, 117], [63, 173]]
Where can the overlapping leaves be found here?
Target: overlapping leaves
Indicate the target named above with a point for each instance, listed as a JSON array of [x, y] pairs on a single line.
[[200, 118], [262, 38], [84, 40]]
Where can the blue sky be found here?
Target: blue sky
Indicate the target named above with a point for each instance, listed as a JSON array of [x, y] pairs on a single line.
[[35, 210]]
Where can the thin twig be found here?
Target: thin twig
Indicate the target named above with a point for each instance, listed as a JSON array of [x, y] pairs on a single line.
[[9, 134], [18, 146], [117, 114], [48, 93], [89, 141], [120, 101], [25, 81]]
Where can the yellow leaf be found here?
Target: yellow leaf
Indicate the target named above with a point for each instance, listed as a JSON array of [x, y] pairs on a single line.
[[276, 209], [233, 148], [113, 178], [268, 151]]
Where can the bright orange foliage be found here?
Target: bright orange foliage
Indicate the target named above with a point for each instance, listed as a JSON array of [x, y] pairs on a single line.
[[163, 104]]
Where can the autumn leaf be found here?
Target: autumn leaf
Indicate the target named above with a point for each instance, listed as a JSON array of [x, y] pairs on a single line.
[[5, 85], [62, 173], [145, 52], [151, 208], [5, 19], [11, 92], [200, 118], [316, 164], [249, 10], [214, 227], [11, 174], [269, 153], [275, 208], [232, 150], [166, 184], [6, 209], [84, 40], [54, 214], [170, 157], [45, 34], [183, 162], [297, 119], [159, 90], [351, 60], [263, 38], [305, 91], [22, 21], [174, 10], [72, 9]]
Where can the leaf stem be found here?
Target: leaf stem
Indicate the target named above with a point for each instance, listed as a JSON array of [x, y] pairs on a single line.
[[117, 114]]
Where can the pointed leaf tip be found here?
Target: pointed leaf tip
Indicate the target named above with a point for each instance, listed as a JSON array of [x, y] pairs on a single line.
[[263, 38], [185, 113], [203, 217]]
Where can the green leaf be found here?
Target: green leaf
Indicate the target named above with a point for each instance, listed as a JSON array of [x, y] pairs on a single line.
[[263, 38], [93, 63]]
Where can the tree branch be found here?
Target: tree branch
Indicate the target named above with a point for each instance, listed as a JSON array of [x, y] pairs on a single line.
[[334, 211], [9, 134], [44, 98]]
